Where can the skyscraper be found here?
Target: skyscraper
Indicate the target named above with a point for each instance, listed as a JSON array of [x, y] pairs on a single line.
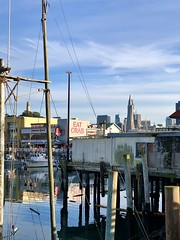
[[103, 119], [117, 119], [177, 108], [130, 116]]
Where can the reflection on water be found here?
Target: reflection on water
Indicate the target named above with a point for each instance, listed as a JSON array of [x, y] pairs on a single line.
[[26, 208], [27, 215]]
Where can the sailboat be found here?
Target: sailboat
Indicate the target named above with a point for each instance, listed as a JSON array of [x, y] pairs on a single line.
[[3, 78]]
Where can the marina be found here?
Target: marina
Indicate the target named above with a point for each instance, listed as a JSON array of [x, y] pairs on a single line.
[[71, 180]]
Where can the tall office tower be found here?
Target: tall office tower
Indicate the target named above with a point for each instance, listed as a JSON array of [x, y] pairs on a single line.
[[169, 122], [117, 119], [177, 108], [137, 120], [103, 119], [130, 113]]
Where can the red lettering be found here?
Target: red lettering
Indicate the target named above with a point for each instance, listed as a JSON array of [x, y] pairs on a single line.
[[77, 124], [77, 130]]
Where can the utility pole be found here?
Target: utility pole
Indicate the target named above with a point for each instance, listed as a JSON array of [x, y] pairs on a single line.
[[68, 115]]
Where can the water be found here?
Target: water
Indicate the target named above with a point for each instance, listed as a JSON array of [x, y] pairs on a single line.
[[29, 210]]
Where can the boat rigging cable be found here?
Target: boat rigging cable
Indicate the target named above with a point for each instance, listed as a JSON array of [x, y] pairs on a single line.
[[9, 33], [35, 60], [77, 68]]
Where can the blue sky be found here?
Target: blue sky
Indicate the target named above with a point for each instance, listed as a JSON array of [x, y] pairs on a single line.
[[118, 48]]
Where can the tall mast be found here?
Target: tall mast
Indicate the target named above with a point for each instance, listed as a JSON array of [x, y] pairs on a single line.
[[2, 122], [48, 123]]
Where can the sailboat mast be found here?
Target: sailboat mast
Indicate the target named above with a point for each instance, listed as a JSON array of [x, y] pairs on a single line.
[[48, 123], [2, 122]]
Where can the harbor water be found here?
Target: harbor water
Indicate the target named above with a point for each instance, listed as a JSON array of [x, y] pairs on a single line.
[[27, 208]]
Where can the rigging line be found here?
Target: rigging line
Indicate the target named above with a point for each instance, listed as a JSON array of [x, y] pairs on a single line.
[[54, 105], [74, 65], [43, 96], [9, 33], [83, 83], [35, 60], [82, 78], [10, 102]]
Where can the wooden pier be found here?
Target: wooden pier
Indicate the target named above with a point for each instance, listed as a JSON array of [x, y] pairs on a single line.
[[146, 163]]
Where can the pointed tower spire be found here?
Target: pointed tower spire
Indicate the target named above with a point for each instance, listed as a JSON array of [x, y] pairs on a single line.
[[130, 115]]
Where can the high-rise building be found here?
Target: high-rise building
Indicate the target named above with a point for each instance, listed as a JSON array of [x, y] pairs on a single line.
[[137, 120], [117, 119], [178, 108], [169, 122], [103, 119], [130, 117]]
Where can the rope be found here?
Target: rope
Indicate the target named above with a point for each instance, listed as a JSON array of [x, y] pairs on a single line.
[[54, 105]]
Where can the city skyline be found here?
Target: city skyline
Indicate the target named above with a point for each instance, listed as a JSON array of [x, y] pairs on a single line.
[[116, 48]]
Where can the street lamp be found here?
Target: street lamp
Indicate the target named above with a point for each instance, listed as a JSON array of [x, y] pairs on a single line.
[[68, 113]]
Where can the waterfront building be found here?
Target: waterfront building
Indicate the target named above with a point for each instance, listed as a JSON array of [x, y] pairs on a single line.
[[15, 124], [36, 135], [77, 128]]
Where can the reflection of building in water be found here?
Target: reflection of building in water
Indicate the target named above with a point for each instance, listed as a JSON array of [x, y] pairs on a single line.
[[74, 193], [34, 196]]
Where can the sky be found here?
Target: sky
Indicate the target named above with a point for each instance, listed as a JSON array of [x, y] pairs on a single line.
[[113, 48]]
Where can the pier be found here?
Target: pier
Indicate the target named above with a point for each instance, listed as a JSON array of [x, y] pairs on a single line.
[[147, 164]]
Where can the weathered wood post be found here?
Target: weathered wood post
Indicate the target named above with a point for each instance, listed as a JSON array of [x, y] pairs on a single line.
[[127, 175], [172, 213], [146, 206], [146, 183], [111, 205], [87, 197]]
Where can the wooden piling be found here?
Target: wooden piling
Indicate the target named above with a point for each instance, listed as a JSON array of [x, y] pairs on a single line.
[[111, 205], [129, 215], [146, 183], [102, 179], [172, 213], [87, 199]]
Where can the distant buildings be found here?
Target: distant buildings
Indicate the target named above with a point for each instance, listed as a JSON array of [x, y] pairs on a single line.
[[169, 122], [103, 119], [27, 130], [133, 121]]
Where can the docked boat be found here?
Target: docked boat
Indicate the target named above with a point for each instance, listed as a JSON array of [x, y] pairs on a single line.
[[38, 160]]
